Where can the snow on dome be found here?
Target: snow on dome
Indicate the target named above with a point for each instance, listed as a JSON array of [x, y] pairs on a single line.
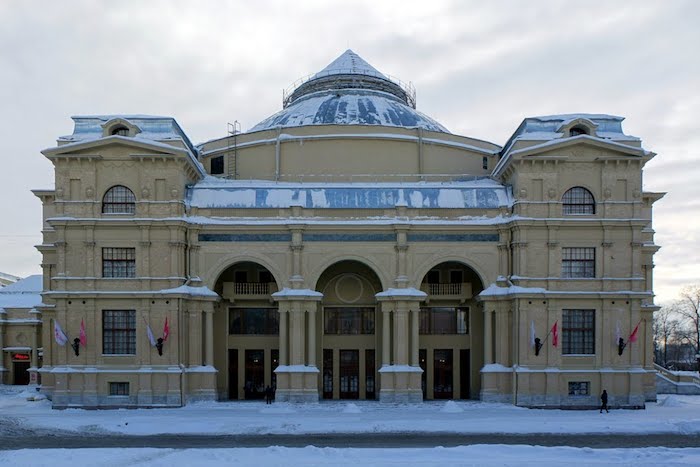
[[350, 108], [350, 91]]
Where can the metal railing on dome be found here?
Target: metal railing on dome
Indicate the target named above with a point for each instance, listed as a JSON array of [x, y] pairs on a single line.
[[408, 88]]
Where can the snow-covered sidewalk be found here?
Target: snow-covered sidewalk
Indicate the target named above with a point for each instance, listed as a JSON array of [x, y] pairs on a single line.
[[672, 414]]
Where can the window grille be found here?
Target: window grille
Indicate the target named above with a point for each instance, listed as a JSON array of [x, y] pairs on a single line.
[[578, 200], [118, 389], [578, 262], [119, 332], [118, 262], [578, 332], [579, 388], [119, 200]]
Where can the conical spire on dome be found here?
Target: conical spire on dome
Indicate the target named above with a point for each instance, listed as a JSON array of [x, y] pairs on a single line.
[[349, 91], [349, 63], [349, 72]]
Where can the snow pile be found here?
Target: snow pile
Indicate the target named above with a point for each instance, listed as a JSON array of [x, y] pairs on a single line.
[[451, 407], [351, 408], [670, 401]]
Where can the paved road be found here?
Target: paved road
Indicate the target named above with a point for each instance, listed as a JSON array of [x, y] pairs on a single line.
[[44, 440]]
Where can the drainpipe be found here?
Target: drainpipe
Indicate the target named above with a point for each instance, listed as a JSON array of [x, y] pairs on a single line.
[[277, 154]]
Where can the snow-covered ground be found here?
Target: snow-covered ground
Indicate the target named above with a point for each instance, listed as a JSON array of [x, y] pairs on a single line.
[[672, 414]]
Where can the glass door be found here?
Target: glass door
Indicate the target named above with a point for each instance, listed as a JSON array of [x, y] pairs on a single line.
[[349, 374]]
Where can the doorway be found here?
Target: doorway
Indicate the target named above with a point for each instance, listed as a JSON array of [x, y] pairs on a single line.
[[349, 374], [254, 374], [442, 375], [20, 372]]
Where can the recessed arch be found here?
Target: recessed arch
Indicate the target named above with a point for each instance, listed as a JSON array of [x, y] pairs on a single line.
[[431, 263], [226, 262], [314, 277]]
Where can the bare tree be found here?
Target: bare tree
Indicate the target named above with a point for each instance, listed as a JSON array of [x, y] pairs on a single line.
[[666, 328], [689, 308]]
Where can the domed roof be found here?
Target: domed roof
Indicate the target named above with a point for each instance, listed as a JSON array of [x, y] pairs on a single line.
[[350, 91]]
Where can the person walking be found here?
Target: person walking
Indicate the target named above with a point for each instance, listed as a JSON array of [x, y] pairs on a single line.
[[268, 395], [604, 402]]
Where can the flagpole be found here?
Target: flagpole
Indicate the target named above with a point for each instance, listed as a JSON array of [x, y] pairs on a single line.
[[547, 336]]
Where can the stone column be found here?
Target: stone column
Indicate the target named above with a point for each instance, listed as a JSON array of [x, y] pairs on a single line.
[[311, 314], [209, 349], [400, 379], [283, 336], [415, 342], [401, 336], [386, 333], [34, 356], [488, 335], [297, 381]]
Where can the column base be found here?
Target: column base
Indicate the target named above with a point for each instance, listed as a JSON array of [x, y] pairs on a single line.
[[297, 383], [400, 384]]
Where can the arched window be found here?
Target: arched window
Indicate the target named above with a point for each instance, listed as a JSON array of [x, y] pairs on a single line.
[[120, 131], [578, 200], [119, 200]]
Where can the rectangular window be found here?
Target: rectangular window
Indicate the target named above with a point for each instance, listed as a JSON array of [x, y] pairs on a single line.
[[444, 320], [579, 388], [456, 276], [118, 262], [118, 389], [254, 321], [348, 320], [217, 165], [578, 332], [485, 163], [578, 262], [119, 332]]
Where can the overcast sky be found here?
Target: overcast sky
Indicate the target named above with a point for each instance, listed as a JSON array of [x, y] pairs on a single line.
[[479, 68]]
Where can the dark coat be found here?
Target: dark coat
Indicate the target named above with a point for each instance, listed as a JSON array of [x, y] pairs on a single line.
[[604, 397]]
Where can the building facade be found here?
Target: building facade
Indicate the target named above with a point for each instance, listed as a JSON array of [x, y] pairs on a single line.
[[20, 331], [348, 247]]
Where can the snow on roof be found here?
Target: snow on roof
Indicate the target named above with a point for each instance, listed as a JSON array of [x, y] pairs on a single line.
[[407, 292], [219, 193], [350, 107], [25, 293], [194, 291], [30, 284], [9, 277], [153, 128], [300, 293]]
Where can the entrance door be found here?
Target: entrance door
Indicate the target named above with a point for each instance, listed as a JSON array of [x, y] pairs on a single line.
[[464, 373], [442, 376], [233, 374], [21, 375], [254, 387], [349, 374]]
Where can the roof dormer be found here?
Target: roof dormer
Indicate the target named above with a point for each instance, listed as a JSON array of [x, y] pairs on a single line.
[[577, 126], [119, 127]]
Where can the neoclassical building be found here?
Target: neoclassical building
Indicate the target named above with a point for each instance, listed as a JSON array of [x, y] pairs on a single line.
[[348, 247]]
